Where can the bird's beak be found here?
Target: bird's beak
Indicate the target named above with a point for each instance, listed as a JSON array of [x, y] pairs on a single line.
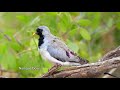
[[34, 34]]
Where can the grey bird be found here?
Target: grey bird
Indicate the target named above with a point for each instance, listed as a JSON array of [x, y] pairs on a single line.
[[55, 50]]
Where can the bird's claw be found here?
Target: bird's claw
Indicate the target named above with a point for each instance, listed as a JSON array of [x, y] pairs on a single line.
[[52, 70]]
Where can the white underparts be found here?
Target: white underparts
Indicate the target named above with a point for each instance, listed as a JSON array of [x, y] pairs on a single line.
[[45, 54]]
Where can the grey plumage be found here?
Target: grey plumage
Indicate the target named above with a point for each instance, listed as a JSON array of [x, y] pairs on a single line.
[[60, 51], [57, 49]]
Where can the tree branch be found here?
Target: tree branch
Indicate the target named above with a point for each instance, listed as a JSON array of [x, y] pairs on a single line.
[[109, 61]]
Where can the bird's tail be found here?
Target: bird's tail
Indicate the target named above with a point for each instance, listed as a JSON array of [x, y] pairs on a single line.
[[83, 61]]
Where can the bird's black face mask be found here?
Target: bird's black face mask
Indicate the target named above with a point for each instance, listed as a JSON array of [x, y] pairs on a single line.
[[39, 32]]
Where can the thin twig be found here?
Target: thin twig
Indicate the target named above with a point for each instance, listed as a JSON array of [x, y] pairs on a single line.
[[6, 36]]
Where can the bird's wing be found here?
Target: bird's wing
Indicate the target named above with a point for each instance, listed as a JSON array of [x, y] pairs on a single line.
[[60, 51]]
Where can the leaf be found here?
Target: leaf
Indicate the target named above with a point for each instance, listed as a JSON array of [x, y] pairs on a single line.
[[49, 19], [34, 21], [73, 31], [85, 34], [73, 46], [95, 18], [65, 18], [84, 22]]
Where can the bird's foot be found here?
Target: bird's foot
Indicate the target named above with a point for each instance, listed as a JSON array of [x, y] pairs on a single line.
[[52, 70]]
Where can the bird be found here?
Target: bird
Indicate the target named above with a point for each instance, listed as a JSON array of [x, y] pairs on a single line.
[[55, 50]]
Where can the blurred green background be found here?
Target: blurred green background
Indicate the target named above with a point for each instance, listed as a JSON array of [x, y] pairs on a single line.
[[89, 34]]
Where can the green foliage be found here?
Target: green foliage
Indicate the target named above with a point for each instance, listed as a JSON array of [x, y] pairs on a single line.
[[85, 34], [73, 46], [84, 22], [89, 34]]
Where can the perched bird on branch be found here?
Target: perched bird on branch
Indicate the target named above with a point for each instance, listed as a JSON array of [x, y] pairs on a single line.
[[55, 50]]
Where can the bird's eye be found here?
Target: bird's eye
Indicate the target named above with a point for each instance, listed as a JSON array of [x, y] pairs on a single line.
[[39, 30]]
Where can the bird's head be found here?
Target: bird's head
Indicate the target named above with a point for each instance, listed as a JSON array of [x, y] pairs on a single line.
[[42, 31]]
